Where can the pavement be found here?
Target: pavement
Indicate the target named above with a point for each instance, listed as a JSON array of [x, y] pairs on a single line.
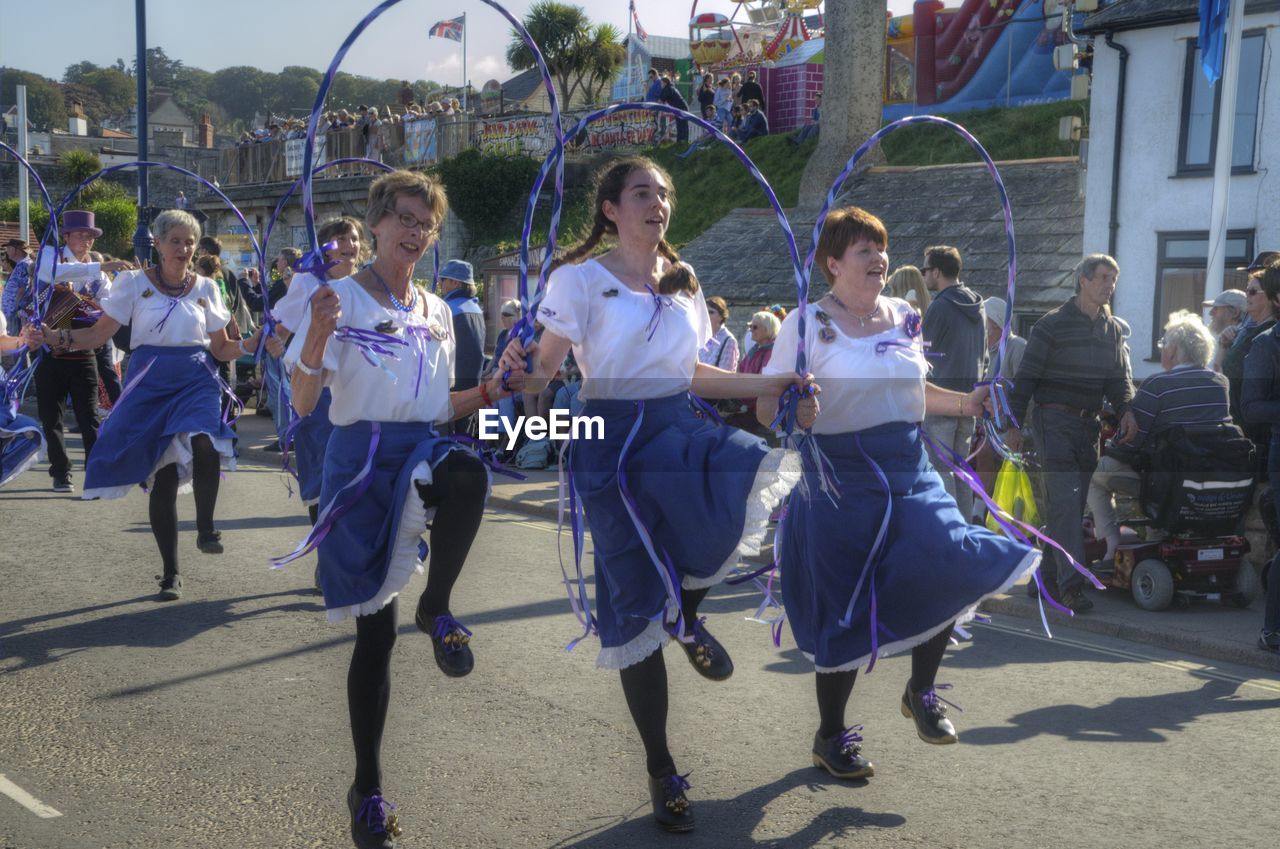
[[1204, 628]]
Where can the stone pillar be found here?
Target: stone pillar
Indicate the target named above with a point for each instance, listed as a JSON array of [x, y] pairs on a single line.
[[852, 91]]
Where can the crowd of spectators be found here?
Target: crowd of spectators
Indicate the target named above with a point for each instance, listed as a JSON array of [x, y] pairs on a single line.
[[449, 108]]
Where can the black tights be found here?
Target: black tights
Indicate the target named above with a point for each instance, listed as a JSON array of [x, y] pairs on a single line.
[[834, 688], [163, 505], [457, 493], [645, 686], [369, 692]]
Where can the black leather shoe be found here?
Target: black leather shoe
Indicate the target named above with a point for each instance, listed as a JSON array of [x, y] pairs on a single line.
[[1269, 641], [170, 587], [373, 821], [1076, 601], [842, 754], [671, 808], [450, 639], [706, 654], [930, 714], [210, 543]]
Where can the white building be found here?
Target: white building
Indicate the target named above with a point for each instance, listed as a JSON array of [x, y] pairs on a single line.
[[1156, 223]]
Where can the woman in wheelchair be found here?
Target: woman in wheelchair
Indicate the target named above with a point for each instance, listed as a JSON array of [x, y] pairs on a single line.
[[1187, 392]]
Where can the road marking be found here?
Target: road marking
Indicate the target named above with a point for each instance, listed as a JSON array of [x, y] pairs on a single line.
[[1186, 666], [26, 800]]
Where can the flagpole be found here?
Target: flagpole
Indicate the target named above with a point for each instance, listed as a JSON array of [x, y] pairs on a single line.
[[1220, 203], [464, 61], [630, 47]]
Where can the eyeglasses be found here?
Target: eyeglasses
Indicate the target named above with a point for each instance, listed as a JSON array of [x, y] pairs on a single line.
[[1252, 290], [753, 327], [410, 222], [926, 269]]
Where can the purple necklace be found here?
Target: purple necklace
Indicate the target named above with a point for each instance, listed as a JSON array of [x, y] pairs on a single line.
[[394, 300]]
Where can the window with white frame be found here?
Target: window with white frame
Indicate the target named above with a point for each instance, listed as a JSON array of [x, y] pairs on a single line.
[[1198, 133]]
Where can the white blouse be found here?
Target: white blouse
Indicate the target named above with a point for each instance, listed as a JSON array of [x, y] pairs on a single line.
[[289, 309], [610, 326], [134, 301], [865, 382], [413, 386]]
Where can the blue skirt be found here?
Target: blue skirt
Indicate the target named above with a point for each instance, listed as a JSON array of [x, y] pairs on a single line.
[[20, 442], [931, 569], [701, 493], [374, 546], [170, 395], [309, 440]]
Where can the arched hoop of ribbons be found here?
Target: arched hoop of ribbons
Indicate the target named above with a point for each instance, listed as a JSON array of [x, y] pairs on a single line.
[[1001, 414], [19, 377], [524, 330]]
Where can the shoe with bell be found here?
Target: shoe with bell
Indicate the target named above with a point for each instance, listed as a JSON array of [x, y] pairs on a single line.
[[671, 808], [1076, 601], [210, 543], [706, 654], [841, 755], [929, 710], [170, 587], [451, 639], [373, 820], [64, 484]]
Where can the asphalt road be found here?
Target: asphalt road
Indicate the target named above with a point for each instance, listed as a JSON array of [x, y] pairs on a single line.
[[220, 720]]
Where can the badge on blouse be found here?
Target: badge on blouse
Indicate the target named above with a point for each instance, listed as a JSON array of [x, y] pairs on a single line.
[[148, 293], [387, 326], [438, 333], [826, 334], [202, 303], [546, 311], [610, 293], [822, 316]]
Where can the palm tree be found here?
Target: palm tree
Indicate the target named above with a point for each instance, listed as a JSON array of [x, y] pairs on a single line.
[[578, 54]]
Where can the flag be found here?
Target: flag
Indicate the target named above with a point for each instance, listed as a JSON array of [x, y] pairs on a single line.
[[640, 33], [1213, 37], [451, 30]]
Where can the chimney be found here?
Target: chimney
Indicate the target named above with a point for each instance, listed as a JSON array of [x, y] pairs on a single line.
[[204, 135], [77, 122]]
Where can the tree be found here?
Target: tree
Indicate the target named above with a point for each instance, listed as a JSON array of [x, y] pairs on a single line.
[[77, 72], [76, 166], [116, 91], [569, 45], [44, 99], [603, 55], [162, 71], [241, 90]]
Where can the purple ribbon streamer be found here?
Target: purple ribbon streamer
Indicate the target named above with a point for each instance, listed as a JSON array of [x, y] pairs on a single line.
[[338, 506], [868, 577], [581, 603], [660, 302]]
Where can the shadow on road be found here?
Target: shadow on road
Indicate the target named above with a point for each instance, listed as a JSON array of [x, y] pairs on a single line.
[[154, 626], [733, 822], [1128, 719], [246, 523]]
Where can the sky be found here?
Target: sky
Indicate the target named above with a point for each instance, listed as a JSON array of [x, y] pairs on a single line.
[[270, 34]]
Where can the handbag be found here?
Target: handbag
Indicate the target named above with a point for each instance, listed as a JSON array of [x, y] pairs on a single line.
[[1014, 496]]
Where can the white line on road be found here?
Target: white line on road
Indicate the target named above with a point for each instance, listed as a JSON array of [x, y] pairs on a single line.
[[1176, 665], [26, 800]]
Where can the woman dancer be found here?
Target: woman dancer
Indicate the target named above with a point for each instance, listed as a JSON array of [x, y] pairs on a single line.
[[636, 320], [311, 433], [20, 436], [885, 562], [167, 432], [388, 471]]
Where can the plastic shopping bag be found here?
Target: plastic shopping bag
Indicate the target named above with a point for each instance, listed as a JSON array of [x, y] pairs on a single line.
[[1014, 496]]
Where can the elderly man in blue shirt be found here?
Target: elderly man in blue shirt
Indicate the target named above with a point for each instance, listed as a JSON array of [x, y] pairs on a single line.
[[458, 289]]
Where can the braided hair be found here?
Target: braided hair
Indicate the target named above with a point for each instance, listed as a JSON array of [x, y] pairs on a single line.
[[610, 181]]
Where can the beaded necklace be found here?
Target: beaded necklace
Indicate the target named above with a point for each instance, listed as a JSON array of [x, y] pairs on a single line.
[[394, 300], [862, 319]]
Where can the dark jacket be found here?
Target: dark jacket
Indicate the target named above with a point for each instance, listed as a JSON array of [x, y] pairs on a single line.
[[1233, 364], [1260, 385], [706, 97], [954, 327], [751, 91], [753, 124], [468, 335], [671, 96]]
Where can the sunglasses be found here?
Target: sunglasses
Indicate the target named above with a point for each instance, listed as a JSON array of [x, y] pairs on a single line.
[[753, 327], [1253, 290]]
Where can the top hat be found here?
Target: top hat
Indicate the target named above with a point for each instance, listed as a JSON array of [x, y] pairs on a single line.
[[79, 219]]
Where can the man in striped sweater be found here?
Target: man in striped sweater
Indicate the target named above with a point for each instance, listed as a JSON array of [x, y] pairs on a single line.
[[1076, 358], [1186, 392]]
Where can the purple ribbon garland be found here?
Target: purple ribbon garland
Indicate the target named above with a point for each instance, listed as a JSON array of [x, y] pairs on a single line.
[[224, 388], [580, 603], [49, 238], [338, 506], [660, 302]]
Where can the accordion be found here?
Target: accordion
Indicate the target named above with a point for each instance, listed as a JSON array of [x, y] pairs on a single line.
[[67, 309]]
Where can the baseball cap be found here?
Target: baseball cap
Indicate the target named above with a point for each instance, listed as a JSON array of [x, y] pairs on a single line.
[[1229, 298]]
